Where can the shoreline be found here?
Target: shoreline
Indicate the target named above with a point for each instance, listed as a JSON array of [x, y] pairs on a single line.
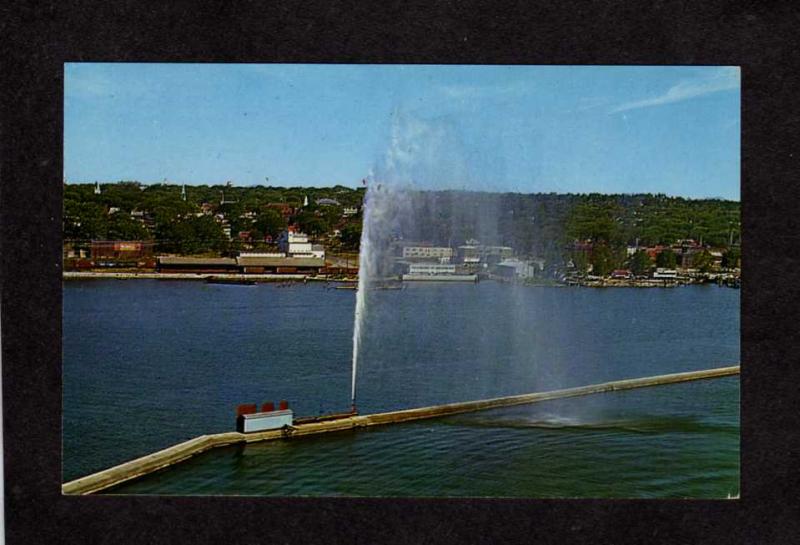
[[85, 275], [265, 278]]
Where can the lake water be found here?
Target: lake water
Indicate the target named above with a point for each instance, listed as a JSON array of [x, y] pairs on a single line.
[[148, 364]]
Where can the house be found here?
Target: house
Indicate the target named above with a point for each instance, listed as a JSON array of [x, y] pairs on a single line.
[[284, 209], [327, 202], [621, 274], [350, 211]]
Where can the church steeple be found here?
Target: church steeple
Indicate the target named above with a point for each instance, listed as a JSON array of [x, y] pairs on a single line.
[[96, 188], [183, 192]]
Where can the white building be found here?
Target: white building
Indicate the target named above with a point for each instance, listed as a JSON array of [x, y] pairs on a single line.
[[427, 252], [665, 273], [262, 254], [470, 253], [431, 268], [518, 268], [349, 211], [291, 242], [294, 244]]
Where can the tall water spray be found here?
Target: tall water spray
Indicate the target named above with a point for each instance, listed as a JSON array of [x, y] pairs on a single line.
[[422, 155]]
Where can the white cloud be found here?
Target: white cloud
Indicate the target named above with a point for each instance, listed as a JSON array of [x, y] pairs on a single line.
[[484, 91], [722, 79]]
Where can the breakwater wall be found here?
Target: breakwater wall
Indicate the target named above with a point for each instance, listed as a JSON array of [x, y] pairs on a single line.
[[177, 453]]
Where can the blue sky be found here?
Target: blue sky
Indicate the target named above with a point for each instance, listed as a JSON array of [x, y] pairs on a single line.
[[673, 130]]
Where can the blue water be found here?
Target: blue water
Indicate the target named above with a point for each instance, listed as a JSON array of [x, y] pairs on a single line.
[[151, 363]]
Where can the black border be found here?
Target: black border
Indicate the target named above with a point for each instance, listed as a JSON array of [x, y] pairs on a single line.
[[40, 38]]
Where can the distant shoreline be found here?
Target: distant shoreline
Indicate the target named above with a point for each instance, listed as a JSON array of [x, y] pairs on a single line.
[[246, 278], [85, 275]]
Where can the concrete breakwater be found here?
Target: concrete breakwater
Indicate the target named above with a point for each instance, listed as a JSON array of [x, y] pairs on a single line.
[[170, 456]]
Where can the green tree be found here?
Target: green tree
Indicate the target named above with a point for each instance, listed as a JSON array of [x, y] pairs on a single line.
[[192, 235], [640, 263], [312, 224], [85, 220], [666, 259], [351, 235], [732, 258], [602, 260], [581, 261], [702, 261], [270, 222], [122, 227]]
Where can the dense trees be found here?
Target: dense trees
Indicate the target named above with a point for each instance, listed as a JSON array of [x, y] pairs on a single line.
[[640, 263], [702, 261], [666, 259], [603, 260], [270, 222], [351, 235], [544, 225], [732, 258], [192, 235]]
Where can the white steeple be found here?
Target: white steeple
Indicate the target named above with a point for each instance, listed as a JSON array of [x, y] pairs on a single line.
[[97, 188], [305, 201]]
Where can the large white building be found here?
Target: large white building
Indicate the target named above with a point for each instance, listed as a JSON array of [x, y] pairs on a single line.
[[427, 252], [295, 244], [431, 268]]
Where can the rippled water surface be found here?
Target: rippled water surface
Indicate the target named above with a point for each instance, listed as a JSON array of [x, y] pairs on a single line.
[[151, 363]]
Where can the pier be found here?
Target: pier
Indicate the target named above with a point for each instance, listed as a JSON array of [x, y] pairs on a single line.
[[177, 453]]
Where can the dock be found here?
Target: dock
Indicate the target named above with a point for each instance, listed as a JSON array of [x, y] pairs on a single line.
[[177, 453]]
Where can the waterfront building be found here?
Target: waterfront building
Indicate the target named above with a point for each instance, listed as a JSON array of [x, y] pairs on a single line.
[[517, 268], [296, 244], [244, 264], [427, 252], [431, 268], [469, 253], [663, 273], [436, 272], [196, 265], [280, 265], [496, 254], [121, 250]]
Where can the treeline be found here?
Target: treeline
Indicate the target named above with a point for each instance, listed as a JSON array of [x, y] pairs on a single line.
[[546, 224], [133, 211], [543, 224]]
